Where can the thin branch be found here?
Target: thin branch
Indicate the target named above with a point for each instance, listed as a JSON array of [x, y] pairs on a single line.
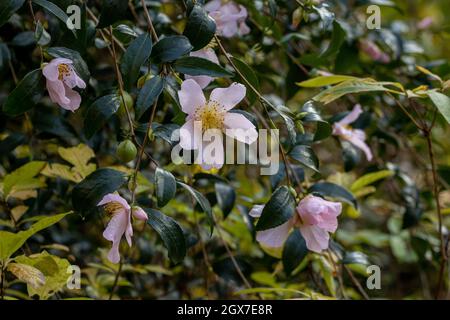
[[150, 26]]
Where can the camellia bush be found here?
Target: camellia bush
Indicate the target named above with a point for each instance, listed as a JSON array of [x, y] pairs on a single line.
[[224, 149]]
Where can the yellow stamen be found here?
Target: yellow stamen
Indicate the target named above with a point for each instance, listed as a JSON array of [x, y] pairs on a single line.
[[112, 208], [211, 116], [64, 70]]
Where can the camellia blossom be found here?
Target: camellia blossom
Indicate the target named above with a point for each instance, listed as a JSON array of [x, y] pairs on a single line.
[[315, 218], [206, 116], [229, 17], [120, 223], [356, 137], [210, 55], [61, 79], [373, 51]]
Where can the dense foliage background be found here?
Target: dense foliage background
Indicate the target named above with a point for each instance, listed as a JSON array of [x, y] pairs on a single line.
[[199, 239]]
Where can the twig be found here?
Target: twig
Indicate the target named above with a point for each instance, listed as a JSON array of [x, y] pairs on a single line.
[[151, 29], [116, 280]]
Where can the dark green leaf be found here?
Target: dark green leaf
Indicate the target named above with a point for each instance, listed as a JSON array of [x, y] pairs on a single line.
[[79, 64], [305, 156], [136, 55], [196, 66], [41, 36], [334, 191], [202, 201], [53, 9], [278, 210], [355, 258], [294, 251], [171, 48], [250, 75], [25, 95], [165, 185], [200, 28], [337, 38], [7, 8], [12, 141], [88, 193], [170, 233], [99, 112], [112, 11], [148, 95], [226, 197]]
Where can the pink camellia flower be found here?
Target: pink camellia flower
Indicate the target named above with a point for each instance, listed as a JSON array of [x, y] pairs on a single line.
[[425, 23], [229, 17], [61, 79], [210, 55], [315, 218], [120, 223], [206, 117], [373, 51], [356, 137]]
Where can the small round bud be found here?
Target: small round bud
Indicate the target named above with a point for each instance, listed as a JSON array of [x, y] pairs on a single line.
[[126, 151]]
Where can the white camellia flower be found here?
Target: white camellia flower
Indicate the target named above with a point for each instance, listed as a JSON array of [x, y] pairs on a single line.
[[212, 118]]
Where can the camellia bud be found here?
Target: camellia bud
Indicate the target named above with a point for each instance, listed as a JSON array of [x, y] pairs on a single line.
[[126, 151], [143, 79], [292, 191], [128, 101], [139, 214]]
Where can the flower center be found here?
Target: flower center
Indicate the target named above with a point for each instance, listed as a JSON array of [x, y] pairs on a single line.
[[211, 116], [64, 70], [112, 208]]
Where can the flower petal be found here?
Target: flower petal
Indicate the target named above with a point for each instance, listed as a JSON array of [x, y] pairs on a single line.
[[112, 197], [190, 135], [228, 97], [275, 237], [356, 140], [256, 211], [212, 150], [139, 214], [352, 116], [316, 238], [239, 127], [191, 96]]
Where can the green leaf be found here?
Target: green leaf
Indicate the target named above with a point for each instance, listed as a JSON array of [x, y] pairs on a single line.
[[250, 75], [148, 94], [134, 58], [79, 157], [305, 156], [370, 178], [112, 11], [171, 48], [55, 10], [88, 193], [7, 9], [11, 242], [79, 64], [442, 103], [323, 81], [53, 268], [294, 251], [353, 86], [25, 95], [278, 210], [196, 66], [328, 189], [99, 112], [337, 38], [170, 232], [202, 201], [323, 129], [226, 197], [355, 258], [200, 28], [166, 186], [23, 178], [41, 35]]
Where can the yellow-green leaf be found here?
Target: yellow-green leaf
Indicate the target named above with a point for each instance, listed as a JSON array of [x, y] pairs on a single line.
[[23, 178], [323, 81], [26, 273], [370, 178]]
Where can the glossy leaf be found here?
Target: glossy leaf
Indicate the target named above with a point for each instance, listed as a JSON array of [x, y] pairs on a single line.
[[165, 185], [99, 113], [134, 58], [278, 210]]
